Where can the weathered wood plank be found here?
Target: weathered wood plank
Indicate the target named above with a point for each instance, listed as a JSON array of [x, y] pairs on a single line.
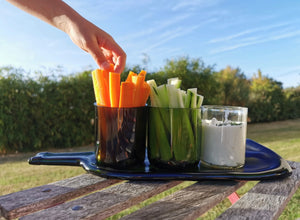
[[188, 203], [267, 199], [104, 203], [24, 202]]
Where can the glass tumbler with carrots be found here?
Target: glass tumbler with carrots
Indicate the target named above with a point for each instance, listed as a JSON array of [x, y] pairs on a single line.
[[121, 119]]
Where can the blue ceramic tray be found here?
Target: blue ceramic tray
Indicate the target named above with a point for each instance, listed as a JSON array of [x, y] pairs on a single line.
[[261, 163]]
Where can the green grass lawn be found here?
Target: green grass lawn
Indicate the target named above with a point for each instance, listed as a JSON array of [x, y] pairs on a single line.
[[282, 137]]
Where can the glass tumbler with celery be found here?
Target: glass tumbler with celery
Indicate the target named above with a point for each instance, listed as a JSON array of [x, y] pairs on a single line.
[[174, 127]]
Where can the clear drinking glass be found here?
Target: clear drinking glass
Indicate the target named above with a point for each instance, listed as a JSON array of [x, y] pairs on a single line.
[[224, 131], [174, 137]]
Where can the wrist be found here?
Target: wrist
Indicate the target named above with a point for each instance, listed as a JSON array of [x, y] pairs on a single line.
[[62, 22], [67, 19]]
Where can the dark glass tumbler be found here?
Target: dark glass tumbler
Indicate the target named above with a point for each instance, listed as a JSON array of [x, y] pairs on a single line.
[[121, 137]]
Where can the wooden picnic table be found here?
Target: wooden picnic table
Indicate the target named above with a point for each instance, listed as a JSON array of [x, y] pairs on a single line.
[[92, 197]]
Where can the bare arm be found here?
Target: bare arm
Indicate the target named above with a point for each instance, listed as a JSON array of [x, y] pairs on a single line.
[[83, 33]]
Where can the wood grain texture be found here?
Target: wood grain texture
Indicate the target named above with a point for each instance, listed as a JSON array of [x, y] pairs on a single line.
[[267, 199], [104, 203], [188, 203], [92, 197], [24, 202]]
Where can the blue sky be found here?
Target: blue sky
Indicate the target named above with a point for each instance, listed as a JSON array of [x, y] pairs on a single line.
[[251, 35]]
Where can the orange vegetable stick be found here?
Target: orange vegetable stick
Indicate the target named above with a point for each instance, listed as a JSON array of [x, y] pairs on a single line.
[[143, 74], [129, 77], [114, 88], [96, 87], [102, 77], [145, 92], [103, 81], [126, 94], [138, 82], [111, 67], [100, 82]]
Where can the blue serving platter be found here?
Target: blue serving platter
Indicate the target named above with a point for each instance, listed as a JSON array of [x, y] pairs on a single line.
[[261, 163]]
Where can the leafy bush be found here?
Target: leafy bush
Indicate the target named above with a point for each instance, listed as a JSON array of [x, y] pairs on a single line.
[[266, 99], [36, 114], [292, 103], [234, 88]]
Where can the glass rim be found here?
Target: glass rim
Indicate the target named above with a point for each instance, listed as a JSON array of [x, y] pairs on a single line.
[[108, 107], [211, 107], [156, 107], [224, 107]]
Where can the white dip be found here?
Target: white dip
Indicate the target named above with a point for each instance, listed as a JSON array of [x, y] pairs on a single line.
[[223, 144]]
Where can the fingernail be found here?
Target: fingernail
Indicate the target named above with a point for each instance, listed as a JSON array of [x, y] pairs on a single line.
[[105, 65]]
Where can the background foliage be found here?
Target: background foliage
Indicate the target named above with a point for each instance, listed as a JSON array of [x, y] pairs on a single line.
[[46, 111]]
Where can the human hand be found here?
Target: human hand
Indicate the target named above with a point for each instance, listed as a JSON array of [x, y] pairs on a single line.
[[100, 45], [83, 33]]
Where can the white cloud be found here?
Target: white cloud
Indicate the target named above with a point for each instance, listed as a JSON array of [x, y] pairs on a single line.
[[288, 70], [170, 35], [154, 28], [249, 31], [193, 4], [262, 35]]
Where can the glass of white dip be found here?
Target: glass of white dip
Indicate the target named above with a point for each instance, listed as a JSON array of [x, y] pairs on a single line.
[[223, 136]]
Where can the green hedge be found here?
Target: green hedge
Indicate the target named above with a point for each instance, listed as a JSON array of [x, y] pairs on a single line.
[[37, 114]]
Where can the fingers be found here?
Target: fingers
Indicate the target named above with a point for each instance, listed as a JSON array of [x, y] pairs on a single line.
[[105, 51], [120, 63], [114, 54], [99, 57], [119, 57], [104, 57]]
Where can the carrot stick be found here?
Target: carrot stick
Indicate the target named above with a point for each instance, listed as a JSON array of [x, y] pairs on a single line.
[[138, 82], [100, 82], [126, 94], [143, 74], [114, 88], [96, 87], [129, 77], [111, 67], [103, 81], [145, 92]]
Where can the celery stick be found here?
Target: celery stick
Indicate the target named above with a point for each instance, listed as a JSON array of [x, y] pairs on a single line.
[[199, 124], [174, 81], [159, 123], [159, 141], [153, 96], [152, 83], [153, 93], [193, 97], [164, 103], [187, 101], [173, 97], [163, 96], [182, 132], [199, 100], [181, 98], [193, 116]]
